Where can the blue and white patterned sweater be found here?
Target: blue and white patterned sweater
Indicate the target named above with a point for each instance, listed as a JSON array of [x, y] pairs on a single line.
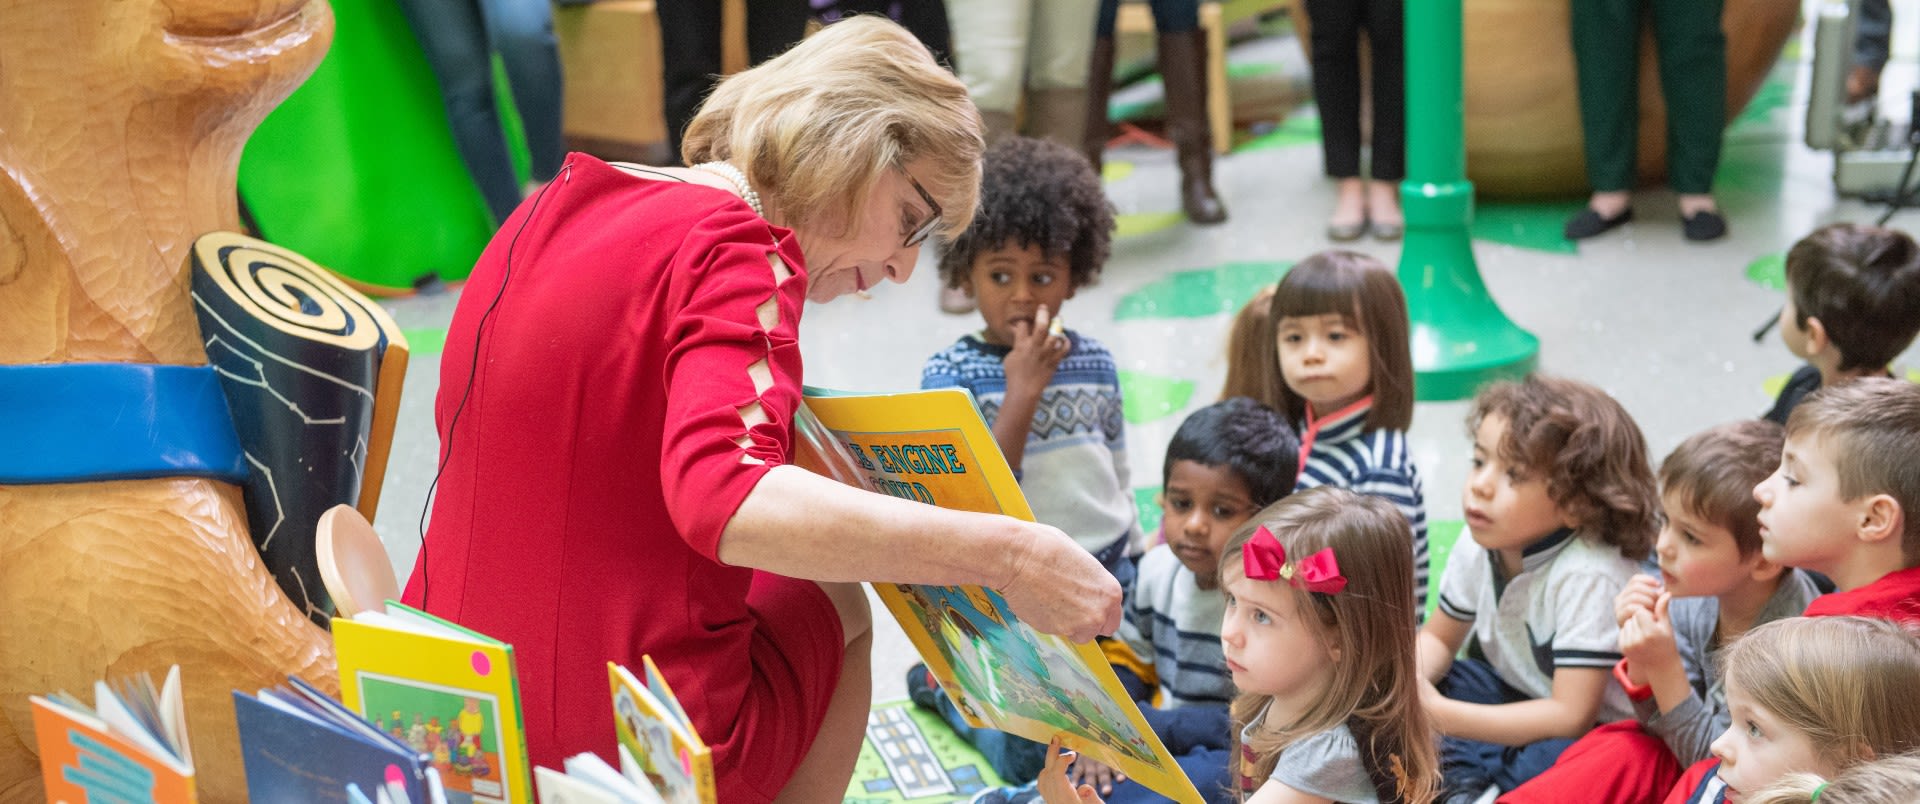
[[1075, 470]]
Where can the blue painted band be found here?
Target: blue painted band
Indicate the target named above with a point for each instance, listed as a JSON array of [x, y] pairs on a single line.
[[74, 422]]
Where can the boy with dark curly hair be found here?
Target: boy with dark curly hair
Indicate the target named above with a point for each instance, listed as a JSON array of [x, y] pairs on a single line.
[[1051, 395]]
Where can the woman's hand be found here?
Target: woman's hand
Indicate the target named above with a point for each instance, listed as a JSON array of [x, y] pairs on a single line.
[[1057, 587], [1054, 787]]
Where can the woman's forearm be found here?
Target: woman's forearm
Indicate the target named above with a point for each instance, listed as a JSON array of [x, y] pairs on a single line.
[[801, 525]]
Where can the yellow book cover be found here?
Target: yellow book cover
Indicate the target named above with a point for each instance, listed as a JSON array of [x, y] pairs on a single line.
[[84, 759], [448, 691], [933, 447], [656, 732]]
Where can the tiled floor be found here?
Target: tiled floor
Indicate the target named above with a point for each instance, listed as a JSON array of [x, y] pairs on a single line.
[[1662, 324]]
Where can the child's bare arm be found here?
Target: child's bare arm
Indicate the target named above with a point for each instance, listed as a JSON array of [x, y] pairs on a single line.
[[1569, 712], [1440, 638]]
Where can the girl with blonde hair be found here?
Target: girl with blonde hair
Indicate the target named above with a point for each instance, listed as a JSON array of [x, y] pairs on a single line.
[[1810, 695], [1319, 586]]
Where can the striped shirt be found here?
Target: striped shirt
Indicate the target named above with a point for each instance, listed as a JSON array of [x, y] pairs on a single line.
[[1338, 450], [1175, 624]]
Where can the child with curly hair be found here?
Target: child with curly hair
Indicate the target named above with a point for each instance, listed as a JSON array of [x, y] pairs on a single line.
[[1561, 507], [1042, 232]]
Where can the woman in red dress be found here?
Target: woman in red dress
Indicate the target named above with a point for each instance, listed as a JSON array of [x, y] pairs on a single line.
[[616, 421]]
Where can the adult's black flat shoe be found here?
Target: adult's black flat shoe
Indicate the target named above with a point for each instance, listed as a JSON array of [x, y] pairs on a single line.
[[1589, 223], [1707, 224]]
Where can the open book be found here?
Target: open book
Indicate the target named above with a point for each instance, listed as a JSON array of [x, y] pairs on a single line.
[[657, 741], [445, 690], [130, 745], [933, 447], [588, 779]]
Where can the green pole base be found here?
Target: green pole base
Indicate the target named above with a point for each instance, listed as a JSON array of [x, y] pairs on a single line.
[[1460, 339]]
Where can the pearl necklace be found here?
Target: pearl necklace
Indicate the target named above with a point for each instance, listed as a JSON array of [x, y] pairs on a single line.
[[738, 180]]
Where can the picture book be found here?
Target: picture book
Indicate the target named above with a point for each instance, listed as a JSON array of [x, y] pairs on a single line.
[[297, 744], [657, 738], [446, 690], [933, 447], [129, 746], [588, 779]]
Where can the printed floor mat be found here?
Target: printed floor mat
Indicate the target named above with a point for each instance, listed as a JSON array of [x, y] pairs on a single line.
[[911, 755]]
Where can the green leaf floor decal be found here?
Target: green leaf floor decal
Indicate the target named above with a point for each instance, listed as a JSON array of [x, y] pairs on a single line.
[[425, 340], [1769, 271], [1302, 127], [1201, 292], [1115, 170], [1150, 397], [1533, 225], [1441, 536], [1146, 504]]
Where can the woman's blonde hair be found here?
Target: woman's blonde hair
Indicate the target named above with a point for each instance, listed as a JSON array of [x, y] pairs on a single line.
[[1374, 690], [1893, 780], [816, 126], [1848, 683]]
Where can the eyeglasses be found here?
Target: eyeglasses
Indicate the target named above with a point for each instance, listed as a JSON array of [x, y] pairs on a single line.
[[920, 233]]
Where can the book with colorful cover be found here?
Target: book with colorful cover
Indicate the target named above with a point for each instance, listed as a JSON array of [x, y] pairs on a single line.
[[129, 746], [933, 447], [657, 740], [447, 689], [299, 745]]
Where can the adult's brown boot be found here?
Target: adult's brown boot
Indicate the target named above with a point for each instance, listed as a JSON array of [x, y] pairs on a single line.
[[1059, 115], [1099, 89], [1183, 68]]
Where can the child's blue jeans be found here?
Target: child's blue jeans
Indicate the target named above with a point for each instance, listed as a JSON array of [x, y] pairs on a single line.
[[1470, 766]]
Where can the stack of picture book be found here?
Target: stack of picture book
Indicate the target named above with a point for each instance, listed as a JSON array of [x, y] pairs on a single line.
[[129, 746]]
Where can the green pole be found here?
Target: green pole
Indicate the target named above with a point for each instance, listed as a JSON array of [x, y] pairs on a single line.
[[1460, 338]]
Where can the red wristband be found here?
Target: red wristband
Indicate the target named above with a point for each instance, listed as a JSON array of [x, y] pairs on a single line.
[[1635, 692]]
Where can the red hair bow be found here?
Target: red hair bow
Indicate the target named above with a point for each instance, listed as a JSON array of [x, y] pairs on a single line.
[[1266, 560]]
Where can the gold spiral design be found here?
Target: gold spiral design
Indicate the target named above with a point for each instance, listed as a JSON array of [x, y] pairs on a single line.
[[288, 291]]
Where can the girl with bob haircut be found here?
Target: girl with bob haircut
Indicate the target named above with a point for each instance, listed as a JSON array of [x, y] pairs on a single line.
[[1342, 375], [1318, 586], [616, 417], [1814, 695]]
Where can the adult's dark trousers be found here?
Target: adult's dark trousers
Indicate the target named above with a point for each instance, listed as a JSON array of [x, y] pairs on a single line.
[[1692, 52], [690, 49], [459, 38], [1336, 26]]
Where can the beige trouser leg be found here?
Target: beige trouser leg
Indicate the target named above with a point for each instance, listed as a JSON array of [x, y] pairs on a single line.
[[990, 49]]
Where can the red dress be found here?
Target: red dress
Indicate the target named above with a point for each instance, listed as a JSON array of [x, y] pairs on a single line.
[[589, 475]]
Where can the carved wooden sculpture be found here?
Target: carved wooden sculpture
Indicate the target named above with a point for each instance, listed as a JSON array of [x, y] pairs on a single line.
[[121, 128]]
